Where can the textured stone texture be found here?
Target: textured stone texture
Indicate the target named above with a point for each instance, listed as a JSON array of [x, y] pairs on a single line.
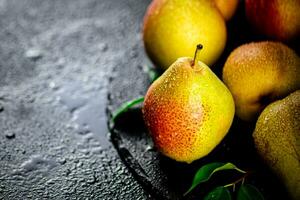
[[55, 58]]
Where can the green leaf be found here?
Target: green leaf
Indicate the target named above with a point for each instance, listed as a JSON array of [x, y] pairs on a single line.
[[153, 74], [206, 171], [219, 193], [249, 192], [125, 107]]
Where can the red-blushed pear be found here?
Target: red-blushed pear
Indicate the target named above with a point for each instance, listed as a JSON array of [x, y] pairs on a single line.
[[172, 29], [260, 73], [188, 110], [227, 7], [278, 19]]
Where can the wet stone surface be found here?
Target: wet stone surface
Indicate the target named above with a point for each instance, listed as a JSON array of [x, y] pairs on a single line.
[[55, 61]]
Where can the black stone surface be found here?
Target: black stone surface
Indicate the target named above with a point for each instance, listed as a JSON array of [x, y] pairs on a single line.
[[55, 61]]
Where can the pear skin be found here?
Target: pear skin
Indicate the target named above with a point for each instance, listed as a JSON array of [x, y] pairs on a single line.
[[188, 110], [172, 29], [277, 19], [227, 7], [277, 140], [259, 73]]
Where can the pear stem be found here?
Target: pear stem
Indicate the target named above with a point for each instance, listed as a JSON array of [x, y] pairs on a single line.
[[198, 48]]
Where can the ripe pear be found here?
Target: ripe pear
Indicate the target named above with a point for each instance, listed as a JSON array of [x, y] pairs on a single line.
[[277, 140], [260, 73], [172, 29], [188, 110], [227, 7], [278, 19]]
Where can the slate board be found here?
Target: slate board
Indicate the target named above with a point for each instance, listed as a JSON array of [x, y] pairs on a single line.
[[58, 59], [55, 60]]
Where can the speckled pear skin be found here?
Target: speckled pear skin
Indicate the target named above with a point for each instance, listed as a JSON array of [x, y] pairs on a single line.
[[227, 7], [172, 29], [277, 140], [188, 111], [259, 73]]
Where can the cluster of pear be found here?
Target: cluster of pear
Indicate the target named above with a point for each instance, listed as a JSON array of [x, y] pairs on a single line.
[[189, 110], [264, 79]]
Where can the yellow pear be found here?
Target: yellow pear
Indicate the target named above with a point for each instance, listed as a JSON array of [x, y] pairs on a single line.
[[260, 73], [172, 29], [188, 110], [277, 140]]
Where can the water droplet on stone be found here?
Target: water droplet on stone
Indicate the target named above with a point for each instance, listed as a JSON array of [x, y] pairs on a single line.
[[62, 161], [36, 162], [53, 86], [33, 54], [92, 180], [149, 148], [79, 164], [10, 135], [103, 47], [97, 150], [83, 131]]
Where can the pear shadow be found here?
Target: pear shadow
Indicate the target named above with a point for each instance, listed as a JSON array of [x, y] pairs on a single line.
[[131, 122]]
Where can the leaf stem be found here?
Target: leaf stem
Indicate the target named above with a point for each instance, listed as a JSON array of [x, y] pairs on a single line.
[[125, 107], [206, 171], [241, 179]]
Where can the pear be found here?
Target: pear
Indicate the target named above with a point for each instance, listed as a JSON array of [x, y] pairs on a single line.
[[227, 7], [277, 19], [277, 140], [260, 73], [188, 110], [180, 25]]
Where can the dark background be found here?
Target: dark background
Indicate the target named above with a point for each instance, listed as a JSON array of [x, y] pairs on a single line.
[[65, 65]]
